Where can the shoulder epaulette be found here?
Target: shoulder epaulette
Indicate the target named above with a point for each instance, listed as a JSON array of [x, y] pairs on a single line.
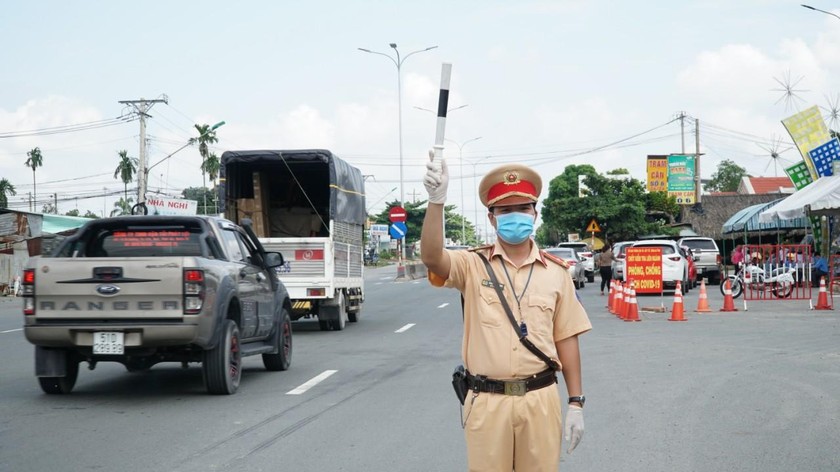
[[479, 248], [555, 259]]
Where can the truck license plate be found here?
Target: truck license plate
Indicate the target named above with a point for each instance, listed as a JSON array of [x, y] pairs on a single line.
[[108, 343]]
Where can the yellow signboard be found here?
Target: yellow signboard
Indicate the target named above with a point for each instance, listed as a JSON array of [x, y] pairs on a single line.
[[807, 129], [593, 227], [657, 173]]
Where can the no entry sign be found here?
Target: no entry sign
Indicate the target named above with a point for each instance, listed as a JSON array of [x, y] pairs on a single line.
[[397, 214]]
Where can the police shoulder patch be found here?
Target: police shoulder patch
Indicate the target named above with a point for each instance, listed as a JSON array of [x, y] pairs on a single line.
[[562, 263]]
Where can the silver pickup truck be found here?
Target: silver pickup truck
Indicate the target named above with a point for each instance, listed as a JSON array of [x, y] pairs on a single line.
[[140, 290]]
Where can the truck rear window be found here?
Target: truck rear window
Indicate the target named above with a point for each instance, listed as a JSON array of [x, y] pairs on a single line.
[[147, 243]]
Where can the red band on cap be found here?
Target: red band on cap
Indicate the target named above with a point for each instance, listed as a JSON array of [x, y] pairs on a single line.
[[502, 189]]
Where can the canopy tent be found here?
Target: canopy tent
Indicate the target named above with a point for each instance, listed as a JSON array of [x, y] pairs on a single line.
[[748, 220], [822, 197]]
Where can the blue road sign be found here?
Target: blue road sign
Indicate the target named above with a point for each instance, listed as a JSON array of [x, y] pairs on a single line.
[[398, 230]]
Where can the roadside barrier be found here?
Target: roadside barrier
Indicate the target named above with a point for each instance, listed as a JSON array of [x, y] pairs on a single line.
[[632, 307], [728, 301], [703, 299], [822, 299], [678, 311]]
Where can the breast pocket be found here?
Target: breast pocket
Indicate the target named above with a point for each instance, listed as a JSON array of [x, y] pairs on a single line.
[[491, 313], [540, 315]]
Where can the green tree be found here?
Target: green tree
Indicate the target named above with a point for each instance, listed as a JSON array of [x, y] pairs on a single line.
[[727, 177], [206, 136], [202, 195], [6, 189], [34, 161], [73, 212], [122, 207], [126, 169], [211, 166], [90, 214], [619, 203]]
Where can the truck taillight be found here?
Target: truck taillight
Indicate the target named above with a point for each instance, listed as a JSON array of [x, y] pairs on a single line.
[[28, 291], [718, 259], [316, 292], [193, 291]]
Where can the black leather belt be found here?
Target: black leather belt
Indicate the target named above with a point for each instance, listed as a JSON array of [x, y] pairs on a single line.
[[479, 383]]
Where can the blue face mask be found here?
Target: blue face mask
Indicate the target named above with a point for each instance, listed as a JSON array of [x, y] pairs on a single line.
[[514, 228]]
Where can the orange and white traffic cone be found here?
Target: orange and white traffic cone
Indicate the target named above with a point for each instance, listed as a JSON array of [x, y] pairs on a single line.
[[728, 301], [678, 311], [625, 305], [822, 299], [619, 298], [703, 299], [611, 296], [632, 307]]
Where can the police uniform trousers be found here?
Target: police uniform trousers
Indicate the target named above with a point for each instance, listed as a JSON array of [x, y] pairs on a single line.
[[508, 432]]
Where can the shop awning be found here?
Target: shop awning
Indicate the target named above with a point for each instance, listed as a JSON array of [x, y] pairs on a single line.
[[822, 197], [748, 220]]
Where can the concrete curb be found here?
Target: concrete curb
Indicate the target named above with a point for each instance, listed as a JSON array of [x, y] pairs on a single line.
[[411, 271]]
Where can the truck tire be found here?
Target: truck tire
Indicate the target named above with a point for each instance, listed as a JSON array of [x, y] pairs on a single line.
[[62, 385], [338, 323], [222, 366], [283, 339]]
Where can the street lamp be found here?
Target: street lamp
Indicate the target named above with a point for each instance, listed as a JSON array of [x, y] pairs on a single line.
[[475, 193], [463, 210], [822, 11], [142, 203], [398, 62]]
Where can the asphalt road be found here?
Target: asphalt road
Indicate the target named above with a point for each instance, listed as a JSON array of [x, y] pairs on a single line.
[[744, 391]]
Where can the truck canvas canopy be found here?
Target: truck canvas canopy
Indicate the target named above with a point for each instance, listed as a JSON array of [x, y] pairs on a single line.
[[286, 172]]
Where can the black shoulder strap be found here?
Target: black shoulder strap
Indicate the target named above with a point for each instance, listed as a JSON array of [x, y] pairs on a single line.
[[522, 338]]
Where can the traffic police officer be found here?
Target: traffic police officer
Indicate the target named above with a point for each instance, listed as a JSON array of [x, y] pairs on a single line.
[[508, 427]]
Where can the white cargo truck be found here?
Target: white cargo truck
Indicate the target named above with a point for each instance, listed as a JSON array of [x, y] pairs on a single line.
[[309, 205]]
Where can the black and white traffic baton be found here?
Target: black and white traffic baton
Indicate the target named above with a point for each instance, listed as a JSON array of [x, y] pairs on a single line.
[[443, 104]]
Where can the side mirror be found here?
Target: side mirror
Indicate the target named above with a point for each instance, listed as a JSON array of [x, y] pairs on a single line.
[[274, 259]]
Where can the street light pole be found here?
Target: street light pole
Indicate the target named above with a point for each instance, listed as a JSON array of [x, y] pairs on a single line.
[[398, 62], [821, 11], [463, 209]]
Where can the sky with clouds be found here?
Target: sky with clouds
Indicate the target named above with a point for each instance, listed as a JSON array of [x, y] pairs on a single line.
[[545, 83]]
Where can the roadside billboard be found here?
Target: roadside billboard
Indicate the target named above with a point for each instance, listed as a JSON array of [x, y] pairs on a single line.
[[657, 173], [644, 268], [681, 178], [170, 206]]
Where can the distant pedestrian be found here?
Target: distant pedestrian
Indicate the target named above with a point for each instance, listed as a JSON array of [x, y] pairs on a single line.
[[819, 270], [604, 260], [16, 289]]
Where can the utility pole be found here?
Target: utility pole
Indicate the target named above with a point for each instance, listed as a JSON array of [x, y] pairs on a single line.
[[141, 106], [55, 203], [682, 131], [414, 195], [697, 192]]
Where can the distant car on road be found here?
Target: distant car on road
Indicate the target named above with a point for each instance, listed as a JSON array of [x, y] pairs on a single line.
[[585, 253], [708, 261], [576, 270], [619, 252]]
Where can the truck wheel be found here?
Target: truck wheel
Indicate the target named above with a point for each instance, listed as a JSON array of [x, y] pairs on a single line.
[[61, 385], [324, 325], [340, 322], [353, 315], [283, 339], [222, 366]]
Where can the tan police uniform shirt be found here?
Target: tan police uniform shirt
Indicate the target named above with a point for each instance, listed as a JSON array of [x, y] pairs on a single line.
[[549, 306]]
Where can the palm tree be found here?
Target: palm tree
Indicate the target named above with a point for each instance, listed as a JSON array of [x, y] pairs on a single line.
[[126, 169], [206, 136], [122, 207], [211, 166], [35, 161], [6, 189]]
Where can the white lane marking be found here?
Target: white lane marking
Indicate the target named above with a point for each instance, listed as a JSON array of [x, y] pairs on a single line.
[[404, 328], [416, 282], [378, 283], [385, 278], [443, 305], [311, 383], [11, 330]]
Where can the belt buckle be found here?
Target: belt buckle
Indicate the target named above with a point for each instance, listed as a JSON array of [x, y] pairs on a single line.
[[516, 388]]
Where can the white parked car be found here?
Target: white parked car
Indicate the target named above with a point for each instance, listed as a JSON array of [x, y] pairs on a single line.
[[619, 252], [576, 270], [674, 265], [584, 252]]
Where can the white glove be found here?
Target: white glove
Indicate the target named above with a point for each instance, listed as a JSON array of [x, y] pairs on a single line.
[[573, 427], [436, 179]]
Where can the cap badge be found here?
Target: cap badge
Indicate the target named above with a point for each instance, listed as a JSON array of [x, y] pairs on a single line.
[[512, 177]]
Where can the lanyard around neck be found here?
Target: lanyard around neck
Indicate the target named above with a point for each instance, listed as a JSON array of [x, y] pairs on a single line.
[[513, 289]]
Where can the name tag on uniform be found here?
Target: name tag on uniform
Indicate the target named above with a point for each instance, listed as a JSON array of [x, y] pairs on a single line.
[[489, 283]]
